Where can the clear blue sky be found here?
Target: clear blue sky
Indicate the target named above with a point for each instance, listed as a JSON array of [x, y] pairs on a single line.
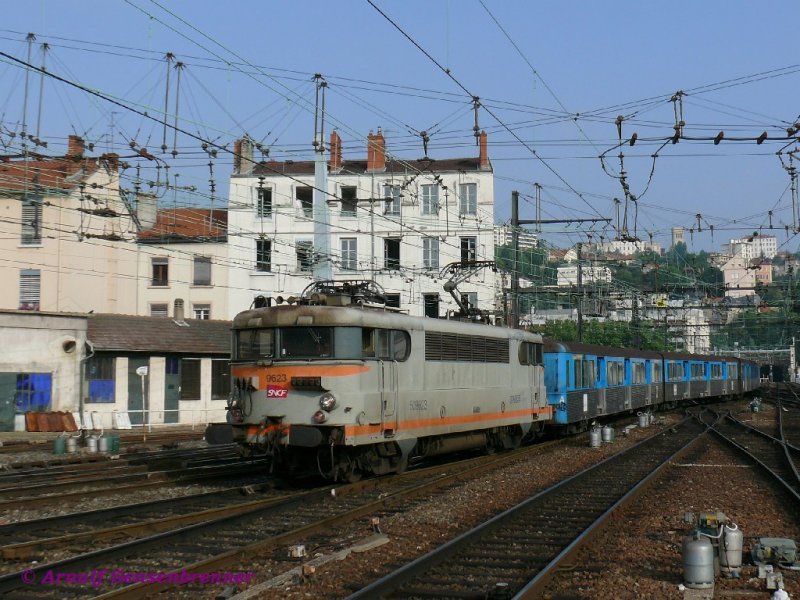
[[576, 66]]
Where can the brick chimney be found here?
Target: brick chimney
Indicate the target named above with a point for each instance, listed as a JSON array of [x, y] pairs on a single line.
[[112, 161], [237, 156], [75, 147], [376, 151], [335, 162], [484, 152], [243, 156]]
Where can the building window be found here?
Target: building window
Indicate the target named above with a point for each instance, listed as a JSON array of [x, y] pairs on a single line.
[[470, 299], [264, 203], [349, 201], [430, 252], [220, 379], [190, 379], [264, 255], [31, 222], [30, 287], [202, 270], [305, 200], [431, 303], [392, 195], [430, 199], [100, 379], [349, 254], [160, 276], [159, 310], [391, 254], [32, 392], [393, 300], [469, 249], [468, 198], [201, 311], [305, 256]]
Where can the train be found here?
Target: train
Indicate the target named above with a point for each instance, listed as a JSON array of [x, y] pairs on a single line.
[[335, 383]]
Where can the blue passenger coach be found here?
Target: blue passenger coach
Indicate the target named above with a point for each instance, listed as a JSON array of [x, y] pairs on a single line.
[[586, 381]]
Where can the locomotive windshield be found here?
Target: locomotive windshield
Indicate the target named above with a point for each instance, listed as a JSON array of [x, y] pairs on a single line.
[[291, 343]]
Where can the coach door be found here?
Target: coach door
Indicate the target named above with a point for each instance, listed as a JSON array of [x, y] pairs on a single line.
[[388, 397]]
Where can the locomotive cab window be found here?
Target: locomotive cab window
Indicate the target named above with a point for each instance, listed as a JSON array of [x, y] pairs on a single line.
[[531, 354], [385, 344], [252, 344]]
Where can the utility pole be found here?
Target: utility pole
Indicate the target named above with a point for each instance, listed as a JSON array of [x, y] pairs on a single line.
[[580, 293], [515, 267], [322, 235], [515, 225]]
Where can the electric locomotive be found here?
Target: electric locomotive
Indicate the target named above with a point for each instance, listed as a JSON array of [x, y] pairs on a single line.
[[335, 382]]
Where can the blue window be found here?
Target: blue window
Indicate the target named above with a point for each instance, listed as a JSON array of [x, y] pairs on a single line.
[[173, 365], [100, 379], [33, 392]]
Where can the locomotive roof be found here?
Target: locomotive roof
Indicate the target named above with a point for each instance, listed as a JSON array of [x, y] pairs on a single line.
[[286, 315]]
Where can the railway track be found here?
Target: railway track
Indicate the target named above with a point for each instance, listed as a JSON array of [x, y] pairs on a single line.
[[775, 454], [518, 551], [43, 494], [32, 540], [87, 473], [228, 540]]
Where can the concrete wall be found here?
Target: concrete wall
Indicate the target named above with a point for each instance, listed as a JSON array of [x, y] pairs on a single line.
[[41, 343]]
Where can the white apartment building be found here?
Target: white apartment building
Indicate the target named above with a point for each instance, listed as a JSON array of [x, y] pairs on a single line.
[[628, 247], [569, 275], [754, 246], [504, 236], [398, 222]]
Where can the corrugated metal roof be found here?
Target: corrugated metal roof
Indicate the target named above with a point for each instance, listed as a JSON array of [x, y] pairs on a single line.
[[130, 333]]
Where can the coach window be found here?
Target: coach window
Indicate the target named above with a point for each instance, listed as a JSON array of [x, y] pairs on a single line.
[[656, 372], [614, 373], [589, 373], [637, 374]]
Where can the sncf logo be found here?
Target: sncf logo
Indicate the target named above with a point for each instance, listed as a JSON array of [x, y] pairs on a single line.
[[277, 391]]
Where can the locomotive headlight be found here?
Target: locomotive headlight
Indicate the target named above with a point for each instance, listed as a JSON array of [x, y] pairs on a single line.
[[320, 417], [327, 402]]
